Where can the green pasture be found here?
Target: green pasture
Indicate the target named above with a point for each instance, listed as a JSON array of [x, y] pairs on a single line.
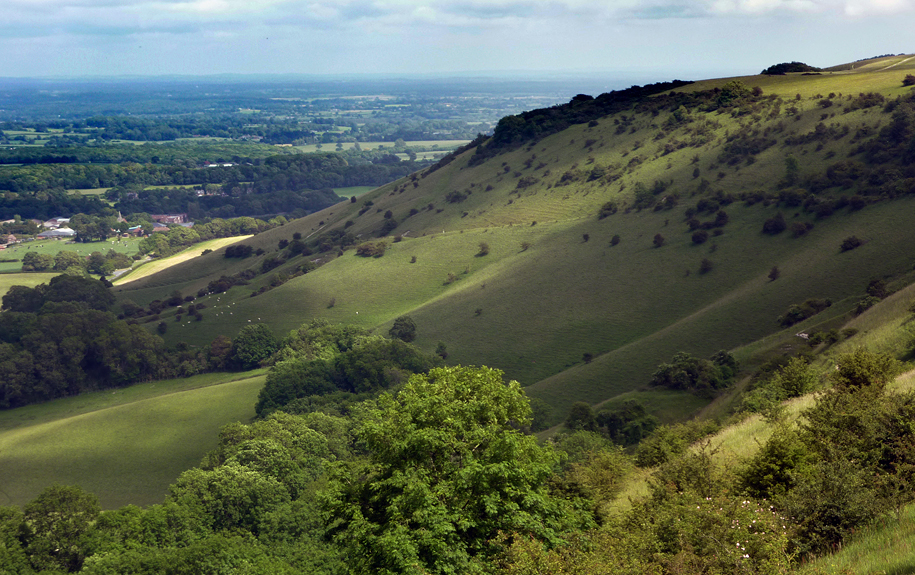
[[7, 280], [440, 145], [90, 191], [354, 191], [128, 246], [126, 446]]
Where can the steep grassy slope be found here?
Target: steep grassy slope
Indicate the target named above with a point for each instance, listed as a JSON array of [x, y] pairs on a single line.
[[553, 287]]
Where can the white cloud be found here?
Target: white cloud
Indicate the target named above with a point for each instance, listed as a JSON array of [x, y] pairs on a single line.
[[858, 8]]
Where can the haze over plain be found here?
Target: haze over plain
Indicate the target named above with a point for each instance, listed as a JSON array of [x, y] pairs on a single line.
[[632, 40]]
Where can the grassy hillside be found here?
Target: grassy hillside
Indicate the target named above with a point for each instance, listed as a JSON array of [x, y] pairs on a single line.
[[553, 287], [125, 446]]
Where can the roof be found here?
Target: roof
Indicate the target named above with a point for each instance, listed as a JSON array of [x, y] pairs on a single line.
[[58, 233]]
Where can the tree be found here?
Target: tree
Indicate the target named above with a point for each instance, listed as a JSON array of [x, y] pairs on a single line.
[[37, 262], [65, 260], [253, 344], [56, 522], [775, 225], [448, 471], [403, 329], [850, 243]]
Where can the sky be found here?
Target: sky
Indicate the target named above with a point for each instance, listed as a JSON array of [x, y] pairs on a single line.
[[643, 40]]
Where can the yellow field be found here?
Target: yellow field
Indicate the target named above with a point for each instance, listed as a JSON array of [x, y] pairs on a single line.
[[158, 265]]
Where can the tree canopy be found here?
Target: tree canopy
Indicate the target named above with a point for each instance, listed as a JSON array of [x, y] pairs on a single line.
[[448, 471]]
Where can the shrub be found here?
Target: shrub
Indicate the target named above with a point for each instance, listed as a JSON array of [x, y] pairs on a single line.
[[403, 329], [909, 80], [705, 266], [484, 249], [658, 240], [455, 197], [695, 374], [865, 304], [774, 273], [608, 209], [775, 225], [371, 249], [799, 229], [388, 226], [699, 237], [798, 313], [580, 417], [850, 243], [616, 239]]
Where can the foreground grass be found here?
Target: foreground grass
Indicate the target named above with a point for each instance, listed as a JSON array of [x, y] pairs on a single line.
[[126, 446], [885, 548]]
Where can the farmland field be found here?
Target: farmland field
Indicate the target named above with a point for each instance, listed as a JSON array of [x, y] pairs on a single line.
[[122, 245], [158, 265]]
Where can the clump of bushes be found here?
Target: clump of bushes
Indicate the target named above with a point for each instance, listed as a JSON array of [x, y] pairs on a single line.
[[850, 243], [371, 249], [798, 313]]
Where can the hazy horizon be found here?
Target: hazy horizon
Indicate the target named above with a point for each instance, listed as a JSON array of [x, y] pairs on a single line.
[[651, 40]]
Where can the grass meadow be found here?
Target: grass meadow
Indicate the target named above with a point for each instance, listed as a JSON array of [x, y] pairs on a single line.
[[440, 145], [128, 246], [126, 446], [8, 280]]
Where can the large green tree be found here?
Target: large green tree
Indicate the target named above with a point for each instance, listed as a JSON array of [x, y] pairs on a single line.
[[448, 471], [253, 344]]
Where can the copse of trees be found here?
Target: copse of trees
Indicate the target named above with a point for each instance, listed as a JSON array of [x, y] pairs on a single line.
[[321, 359], [697, 375], [788, 67], [81, 345]]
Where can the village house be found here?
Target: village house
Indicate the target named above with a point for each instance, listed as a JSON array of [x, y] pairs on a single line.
[[169, 218], [55, 223], [57, 234]]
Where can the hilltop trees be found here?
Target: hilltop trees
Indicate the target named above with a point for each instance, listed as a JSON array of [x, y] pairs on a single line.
[[448, 471]]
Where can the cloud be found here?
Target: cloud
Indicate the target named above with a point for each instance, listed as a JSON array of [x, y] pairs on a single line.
[[853, 8]]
